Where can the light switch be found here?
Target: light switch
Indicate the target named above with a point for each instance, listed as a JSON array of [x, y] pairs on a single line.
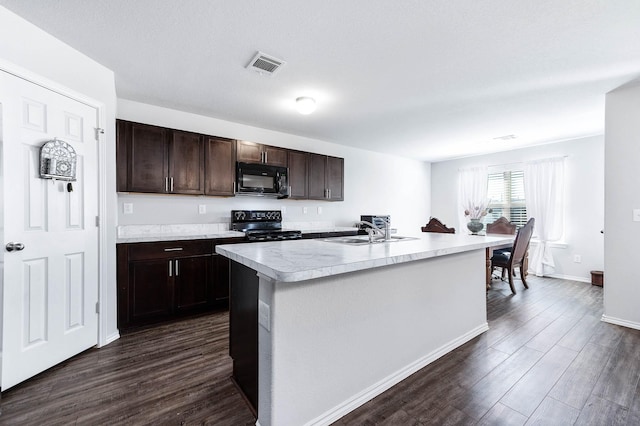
[[636, 215], [319, 210], [304, 210], [127, 208]]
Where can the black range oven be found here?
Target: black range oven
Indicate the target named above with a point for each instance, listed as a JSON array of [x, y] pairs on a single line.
[[262, 225]]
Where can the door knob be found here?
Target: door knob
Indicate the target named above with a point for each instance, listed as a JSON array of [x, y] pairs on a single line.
[[14, 246]]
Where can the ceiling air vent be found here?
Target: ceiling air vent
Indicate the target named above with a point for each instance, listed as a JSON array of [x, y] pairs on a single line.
[[265, 64], [505, 138]]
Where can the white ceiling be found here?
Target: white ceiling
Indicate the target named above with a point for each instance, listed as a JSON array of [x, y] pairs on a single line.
[[427, 79]]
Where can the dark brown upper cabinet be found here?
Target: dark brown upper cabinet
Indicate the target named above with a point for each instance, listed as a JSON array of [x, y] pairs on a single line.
[[186, 158], [335, 178], [326, 177], [220, 161], [251, 152], [159, 160], [142, 157], [166, 161], [298, 174]]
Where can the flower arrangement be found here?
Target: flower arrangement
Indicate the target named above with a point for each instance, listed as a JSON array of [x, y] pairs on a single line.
[[476, 211]]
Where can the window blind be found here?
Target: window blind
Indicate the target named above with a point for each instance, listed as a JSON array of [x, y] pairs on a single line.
[[506, 194]]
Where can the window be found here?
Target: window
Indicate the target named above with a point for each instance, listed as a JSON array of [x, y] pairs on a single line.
[[506, 195]]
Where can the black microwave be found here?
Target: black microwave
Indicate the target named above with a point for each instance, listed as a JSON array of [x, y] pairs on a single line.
[[262, 179]]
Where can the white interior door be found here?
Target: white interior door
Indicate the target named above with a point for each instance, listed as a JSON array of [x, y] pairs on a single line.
[[50, 287]]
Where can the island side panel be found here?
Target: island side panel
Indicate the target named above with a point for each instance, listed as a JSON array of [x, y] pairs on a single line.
[[337, 342], [243, 330]]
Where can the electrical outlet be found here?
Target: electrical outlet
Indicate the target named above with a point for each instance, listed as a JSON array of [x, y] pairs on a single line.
[[264, 315], [304, 210], [636, 215], [577, 258], [127, 208], [319, 210], [283, 209], [202, 208]]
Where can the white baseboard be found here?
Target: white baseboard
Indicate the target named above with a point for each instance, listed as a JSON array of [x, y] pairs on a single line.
[[376, 389], [570, 277], [112, 338], [618, 321]]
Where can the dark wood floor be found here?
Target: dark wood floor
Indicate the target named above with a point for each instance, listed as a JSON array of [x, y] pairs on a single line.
[[547, 359], [172, 374]]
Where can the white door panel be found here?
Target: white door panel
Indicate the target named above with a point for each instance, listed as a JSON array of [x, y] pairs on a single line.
[[50, 288]]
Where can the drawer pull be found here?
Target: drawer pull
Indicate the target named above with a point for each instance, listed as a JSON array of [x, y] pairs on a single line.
[[173, 249]]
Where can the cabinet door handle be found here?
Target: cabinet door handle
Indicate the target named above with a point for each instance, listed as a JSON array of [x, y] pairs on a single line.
[[166, 184], [173, 249], [177, 268], [265, 156], [171, 183], [329, 191], [170, 268]]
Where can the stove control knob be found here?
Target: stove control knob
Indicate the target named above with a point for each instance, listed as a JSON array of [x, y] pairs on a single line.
[[240, 215], [277, 215]]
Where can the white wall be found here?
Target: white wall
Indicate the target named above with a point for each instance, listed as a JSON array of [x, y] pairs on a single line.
[[584, 198], [373, 183], [31, 53], [622, 184]]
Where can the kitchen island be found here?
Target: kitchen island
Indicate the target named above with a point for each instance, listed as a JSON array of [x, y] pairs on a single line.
[[336, 324]]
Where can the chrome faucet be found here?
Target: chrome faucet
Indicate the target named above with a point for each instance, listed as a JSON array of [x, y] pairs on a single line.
[[384, 233]]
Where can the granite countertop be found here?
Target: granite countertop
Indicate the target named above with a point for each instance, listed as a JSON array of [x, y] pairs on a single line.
[[300, 260]]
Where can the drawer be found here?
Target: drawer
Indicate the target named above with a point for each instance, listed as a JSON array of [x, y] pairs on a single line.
[[169, 249]]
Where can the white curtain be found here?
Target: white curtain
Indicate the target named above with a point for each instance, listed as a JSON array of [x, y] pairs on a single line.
[[472, 190], [544, 195]]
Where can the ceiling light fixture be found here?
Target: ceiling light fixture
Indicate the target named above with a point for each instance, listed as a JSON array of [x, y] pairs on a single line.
[[305, 105]]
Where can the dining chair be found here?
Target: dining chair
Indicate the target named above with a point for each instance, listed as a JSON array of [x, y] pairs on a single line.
[[502, 226], [434, 225], [516, 258]]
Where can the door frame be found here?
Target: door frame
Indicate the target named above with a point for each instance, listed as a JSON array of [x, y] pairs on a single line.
[[102, 338]]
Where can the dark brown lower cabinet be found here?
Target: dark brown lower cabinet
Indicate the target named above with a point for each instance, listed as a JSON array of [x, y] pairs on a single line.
[[221, 278], [149, 290], [193, 283], [163, 280]]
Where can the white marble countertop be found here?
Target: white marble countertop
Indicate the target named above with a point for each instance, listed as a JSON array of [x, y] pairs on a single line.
[[327, 229], [175, 237], [157, 233], [300, 260]]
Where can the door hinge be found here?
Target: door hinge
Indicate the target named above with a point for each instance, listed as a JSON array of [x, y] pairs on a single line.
[[97, 307], [97, 220]]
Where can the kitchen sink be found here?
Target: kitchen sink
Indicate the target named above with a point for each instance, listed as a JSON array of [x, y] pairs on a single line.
[[364, 240]]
